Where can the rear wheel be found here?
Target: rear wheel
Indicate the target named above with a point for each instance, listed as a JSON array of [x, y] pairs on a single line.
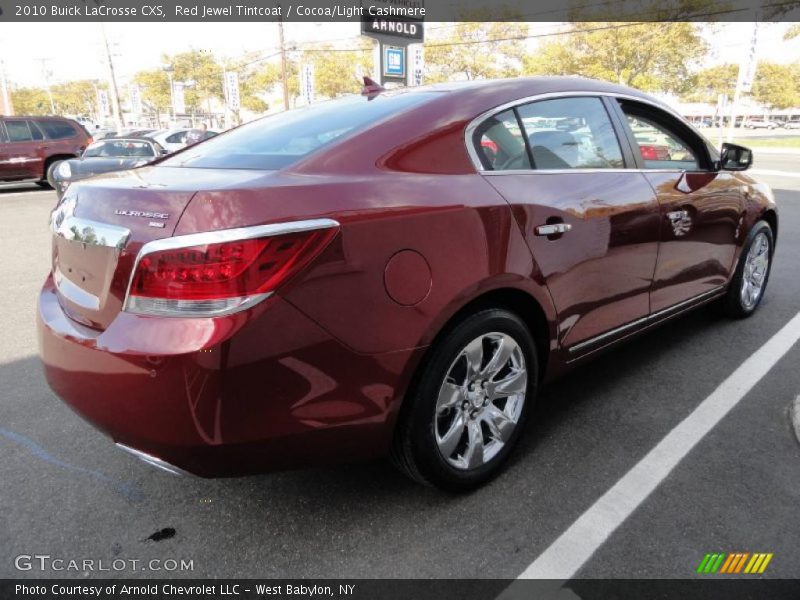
[[470, 404], [750, 279]]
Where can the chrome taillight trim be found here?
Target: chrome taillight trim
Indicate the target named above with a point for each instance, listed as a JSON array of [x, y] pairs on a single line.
[[212, 237], [165, 307]]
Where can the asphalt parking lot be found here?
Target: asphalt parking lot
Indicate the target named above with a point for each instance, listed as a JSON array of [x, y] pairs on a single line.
[[66, 492]]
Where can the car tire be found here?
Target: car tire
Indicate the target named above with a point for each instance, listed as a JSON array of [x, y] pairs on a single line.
[[749, 281], [457, 435]]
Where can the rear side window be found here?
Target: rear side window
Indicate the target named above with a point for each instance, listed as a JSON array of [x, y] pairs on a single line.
[[499, 143], [571, 133], [177, 138], [18, 131], [36, 133], [277, 141], [57, 130]]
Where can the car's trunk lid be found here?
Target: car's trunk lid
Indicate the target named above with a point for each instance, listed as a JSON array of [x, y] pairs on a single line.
[[100, 225]]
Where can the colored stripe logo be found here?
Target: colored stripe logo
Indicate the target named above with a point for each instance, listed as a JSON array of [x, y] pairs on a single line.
[[735, 563]]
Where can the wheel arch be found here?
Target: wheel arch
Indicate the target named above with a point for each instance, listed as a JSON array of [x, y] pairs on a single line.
[[55, 158], [533, 312], [539, 318], [771, 217]]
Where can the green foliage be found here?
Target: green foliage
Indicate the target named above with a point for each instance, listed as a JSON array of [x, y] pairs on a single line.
[[649, 56], [201, 68], [712, 82], [335, 71], [792, 32], [154, 86], [268, 77], [75, 97], [474, 50], [777, 86], [30, 101]]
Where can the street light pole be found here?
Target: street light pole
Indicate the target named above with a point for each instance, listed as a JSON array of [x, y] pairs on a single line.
[[284, 75], [115, 104], [169, 69]]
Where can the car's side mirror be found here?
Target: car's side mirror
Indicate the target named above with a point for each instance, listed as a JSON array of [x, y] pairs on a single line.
[[735, 158]]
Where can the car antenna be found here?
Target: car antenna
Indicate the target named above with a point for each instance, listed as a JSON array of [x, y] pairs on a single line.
[[371, 87]]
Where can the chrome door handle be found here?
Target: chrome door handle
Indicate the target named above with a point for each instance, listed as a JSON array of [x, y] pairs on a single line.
[[677, 215], [552, 229]]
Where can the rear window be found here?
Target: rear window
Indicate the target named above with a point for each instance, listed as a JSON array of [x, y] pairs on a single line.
[[279, 140], [56, 130]]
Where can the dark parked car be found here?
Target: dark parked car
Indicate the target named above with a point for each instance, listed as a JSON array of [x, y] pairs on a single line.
[[112, 154], [395, 273], [29, 145]]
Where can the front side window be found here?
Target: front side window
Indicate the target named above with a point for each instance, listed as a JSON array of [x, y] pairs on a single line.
[[18, 131], [278, 141], [659, 142]]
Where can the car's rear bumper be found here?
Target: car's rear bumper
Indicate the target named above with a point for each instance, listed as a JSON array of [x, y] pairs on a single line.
[[253, 392]]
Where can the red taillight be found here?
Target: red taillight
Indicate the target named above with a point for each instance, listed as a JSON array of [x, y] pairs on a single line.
[[218, 278]]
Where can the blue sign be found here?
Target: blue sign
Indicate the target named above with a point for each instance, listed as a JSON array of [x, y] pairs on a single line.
[[394, 61]]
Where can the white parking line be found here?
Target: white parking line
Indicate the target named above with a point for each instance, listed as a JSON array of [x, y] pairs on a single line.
[[775, 172], [576, 545]]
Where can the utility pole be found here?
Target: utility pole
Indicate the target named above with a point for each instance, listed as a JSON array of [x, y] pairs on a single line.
[[46, 75], [115, 106], [284, 74]]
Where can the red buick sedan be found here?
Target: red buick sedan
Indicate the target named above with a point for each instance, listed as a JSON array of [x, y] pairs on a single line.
[[392, 273]]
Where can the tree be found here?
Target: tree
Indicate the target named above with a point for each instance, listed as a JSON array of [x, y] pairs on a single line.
[[335, 71], [268, 77], [30, 101], [154, 86], [792, 32], [777, 86], [713, 81], [76, 97], [654, 56], [473, 50], [202, 71]]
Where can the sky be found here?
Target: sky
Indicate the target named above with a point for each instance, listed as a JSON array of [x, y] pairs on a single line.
[[75, 50]]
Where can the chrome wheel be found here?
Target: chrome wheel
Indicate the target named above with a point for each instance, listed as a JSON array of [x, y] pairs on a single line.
[[481, 400], [756, 267]]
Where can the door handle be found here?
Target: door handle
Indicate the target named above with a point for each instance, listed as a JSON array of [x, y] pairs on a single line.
[[677, 215], [552, 229]]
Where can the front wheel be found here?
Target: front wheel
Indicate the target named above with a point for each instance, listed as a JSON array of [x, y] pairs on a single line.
[[467, 411], [749, 281]]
